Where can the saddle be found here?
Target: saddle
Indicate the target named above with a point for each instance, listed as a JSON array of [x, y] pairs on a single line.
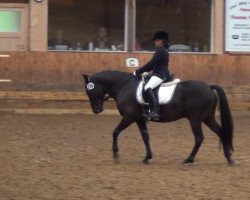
[[164, 93]]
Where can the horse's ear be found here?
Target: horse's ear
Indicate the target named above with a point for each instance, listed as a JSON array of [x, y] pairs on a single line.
[[86, 78]]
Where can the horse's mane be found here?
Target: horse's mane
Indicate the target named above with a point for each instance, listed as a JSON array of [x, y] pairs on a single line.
[[109, 77]]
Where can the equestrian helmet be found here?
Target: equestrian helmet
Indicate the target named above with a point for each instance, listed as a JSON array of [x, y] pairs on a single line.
[[161, 35]]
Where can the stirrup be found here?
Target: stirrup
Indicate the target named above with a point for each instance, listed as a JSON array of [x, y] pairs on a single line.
[[152, 115]]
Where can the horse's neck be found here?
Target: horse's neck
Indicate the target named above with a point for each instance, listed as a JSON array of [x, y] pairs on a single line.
[[115, 84], [114, 87]]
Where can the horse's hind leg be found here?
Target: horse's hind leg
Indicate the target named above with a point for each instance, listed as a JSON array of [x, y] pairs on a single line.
[[125, 122], [215, 127], [198, 135], [144, 133]]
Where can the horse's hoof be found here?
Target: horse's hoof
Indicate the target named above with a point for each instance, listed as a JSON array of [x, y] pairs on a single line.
[[231, 162], [116, 156], [145, 161], [117, 161], [148, 157], [187, 162]]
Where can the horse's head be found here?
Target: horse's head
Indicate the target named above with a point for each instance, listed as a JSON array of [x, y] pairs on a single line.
[[95, 93]]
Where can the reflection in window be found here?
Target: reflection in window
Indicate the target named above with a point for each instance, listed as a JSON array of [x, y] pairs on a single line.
[[187, 21], [86, 25], [10, 21]]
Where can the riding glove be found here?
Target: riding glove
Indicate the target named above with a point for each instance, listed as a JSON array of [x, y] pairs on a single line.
[[136, 74]]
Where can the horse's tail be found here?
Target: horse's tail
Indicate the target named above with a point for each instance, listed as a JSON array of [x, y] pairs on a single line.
[[226, 118]]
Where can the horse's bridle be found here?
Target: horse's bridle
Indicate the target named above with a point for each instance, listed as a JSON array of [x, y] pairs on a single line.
[[106, 97]]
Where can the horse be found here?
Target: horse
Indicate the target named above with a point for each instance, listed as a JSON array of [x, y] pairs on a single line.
[[194, 100]]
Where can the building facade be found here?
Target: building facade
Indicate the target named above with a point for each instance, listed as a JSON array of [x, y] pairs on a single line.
[[46, 45]]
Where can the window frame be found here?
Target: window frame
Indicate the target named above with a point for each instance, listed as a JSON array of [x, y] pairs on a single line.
[[216, 29]]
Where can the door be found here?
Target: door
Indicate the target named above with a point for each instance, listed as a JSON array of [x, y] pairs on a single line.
[[13, 27]]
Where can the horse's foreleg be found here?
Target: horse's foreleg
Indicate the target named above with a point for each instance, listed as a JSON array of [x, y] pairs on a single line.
[[198, 135], [144, 133], [125, 122]]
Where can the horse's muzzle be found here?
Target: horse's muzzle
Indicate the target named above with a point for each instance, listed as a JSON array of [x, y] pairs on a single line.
[[97, 110]]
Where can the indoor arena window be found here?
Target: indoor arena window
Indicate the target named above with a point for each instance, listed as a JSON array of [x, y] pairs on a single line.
[[89, 25], [188, 23], [10, 21]]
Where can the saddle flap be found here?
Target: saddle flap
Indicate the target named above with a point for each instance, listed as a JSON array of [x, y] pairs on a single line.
[[164, 95]]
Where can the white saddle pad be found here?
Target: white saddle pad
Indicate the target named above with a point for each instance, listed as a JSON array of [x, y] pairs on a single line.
[[165, 92]]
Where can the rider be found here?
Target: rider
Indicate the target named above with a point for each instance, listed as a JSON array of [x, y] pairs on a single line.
[[159, 65]]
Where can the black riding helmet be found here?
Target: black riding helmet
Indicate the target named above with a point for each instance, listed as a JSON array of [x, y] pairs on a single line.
[[162, 35]]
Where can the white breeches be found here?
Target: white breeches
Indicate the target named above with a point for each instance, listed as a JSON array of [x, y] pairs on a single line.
[[153, 82]]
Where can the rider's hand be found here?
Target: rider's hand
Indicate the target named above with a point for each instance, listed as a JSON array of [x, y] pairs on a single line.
[[136, 74]]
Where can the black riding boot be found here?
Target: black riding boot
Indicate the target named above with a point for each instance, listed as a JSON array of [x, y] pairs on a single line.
[[154, 113]]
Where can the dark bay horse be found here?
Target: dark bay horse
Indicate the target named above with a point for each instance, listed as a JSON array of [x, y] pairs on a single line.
[[193, 100]]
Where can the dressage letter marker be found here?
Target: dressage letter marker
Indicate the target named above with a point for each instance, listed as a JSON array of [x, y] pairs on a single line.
[[132, 62]]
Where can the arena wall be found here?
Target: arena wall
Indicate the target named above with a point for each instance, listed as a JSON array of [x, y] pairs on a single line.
[[66, 68], [58, 75]]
